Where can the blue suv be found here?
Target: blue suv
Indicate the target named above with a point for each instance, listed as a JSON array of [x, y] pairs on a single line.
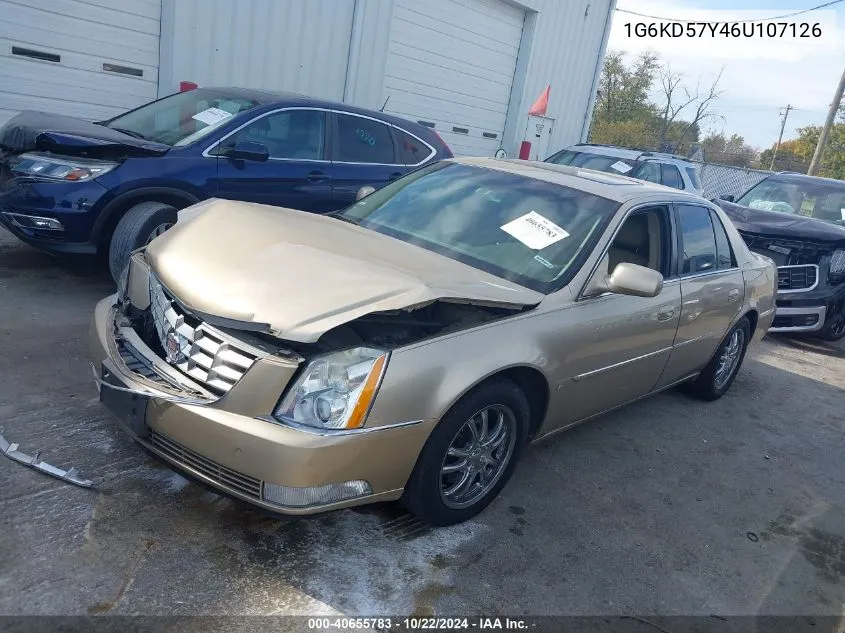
[[71, 186]]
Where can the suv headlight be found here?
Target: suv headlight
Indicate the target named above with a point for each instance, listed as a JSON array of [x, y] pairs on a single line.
[[335, 391], [837, 266], [67, 169]]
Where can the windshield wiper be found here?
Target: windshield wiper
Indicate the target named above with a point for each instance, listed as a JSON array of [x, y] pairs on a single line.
[[129, 133]]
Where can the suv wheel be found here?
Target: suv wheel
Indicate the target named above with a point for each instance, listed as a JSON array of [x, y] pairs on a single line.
[[470, 455], [138, 227], [834, 329]]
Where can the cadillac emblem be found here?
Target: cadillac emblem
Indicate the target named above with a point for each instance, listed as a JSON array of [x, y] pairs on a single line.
[[173, 348]]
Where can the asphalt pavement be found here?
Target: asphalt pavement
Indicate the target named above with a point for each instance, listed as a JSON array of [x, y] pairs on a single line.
[[667, 507]]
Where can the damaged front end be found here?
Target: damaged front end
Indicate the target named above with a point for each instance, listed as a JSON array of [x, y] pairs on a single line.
[[811, 283]]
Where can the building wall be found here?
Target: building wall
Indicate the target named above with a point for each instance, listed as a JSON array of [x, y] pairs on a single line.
[[337, 49]]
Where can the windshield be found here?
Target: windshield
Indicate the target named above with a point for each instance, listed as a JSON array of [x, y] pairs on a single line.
[[813, 199], [182, 118], [586, 160], [525, 230]]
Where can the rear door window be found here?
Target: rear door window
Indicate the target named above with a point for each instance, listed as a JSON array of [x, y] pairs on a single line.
[[698, 242], [671, 176], [363, 140], [649, 171], [724, 253]]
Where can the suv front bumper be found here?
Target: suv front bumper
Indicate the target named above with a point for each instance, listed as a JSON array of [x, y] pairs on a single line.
[[232, 445]]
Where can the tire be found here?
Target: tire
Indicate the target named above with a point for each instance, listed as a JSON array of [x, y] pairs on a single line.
[[135, 229], [833, 330], [711, 384], [426, 494]]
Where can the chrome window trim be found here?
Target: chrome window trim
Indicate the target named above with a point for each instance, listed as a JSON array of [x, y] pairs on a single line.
[[432, 150], [807, 289]]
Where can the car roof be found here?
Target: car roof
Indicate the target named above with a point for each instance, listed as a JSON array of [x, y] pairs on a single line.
[[611, 186], [268, 98], [626, 152]]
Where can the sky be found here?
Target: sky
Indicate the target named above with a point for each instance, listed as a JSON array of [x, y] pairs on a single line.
[[761, 76]]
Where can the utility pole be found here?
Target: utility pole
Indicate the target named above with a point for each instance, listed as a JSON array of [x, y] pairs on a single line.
[[831, 115], [780, 136]]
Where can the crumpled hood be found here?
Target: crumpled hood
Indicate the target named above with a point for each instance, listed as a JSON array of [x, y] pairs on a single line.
[[781, 225], [66, 135], [298, 275]]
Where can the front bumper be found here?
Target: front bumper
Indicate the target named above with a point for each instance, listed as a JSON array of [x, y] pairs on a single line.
[[230, 443], [809, 311], [71, 208]]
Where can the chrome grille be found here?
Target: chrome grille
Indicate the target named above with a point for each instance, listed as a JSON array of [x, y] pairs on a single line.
[[794, 278], [226, 477], [194, 348]]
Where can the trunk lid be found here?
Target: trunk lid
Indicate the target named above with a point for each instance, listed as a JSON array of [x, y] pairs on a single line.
[[30, 131], [298, 275]]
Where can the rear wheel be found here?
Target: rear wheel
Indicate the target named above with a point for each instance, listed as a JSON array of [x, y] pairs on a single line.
[[715, 379], [470, 456], [138, 227]]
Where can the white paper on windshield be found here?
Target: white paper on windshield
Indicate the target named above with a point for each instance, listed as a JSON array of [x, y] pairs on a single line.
[[842, 212], [621, 167], [535, 231], [211, 116]]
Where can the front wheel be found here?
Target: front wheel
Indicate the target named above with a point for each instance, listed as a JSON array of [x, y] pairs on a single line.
[[138, 227], [834, 329], [470, 455], [714, 380]]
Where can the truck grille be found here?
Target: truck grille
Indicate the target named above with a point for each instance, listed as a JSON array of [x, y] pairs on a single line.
[[794, 278], [193, 347], [226, 477]]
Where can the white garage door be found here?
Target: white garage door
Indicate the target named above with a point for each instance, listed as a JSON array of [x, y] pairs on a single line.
[[86, 58], [451, 64]]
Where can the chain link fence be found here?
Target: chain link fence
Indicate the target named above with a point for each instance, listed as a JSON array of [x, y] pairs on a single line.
[[719, 180]]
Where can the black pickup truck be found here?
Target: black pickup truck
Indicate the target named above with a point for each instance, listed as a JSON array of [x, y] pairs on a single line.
[[799, 222]]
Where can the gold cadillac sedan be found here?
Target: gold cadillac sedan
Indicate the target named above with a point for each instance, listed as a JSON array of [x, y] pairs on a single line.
[[411, 346]]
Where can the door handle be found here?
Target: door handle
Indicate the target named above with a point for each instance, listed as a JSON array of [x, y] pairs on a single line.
[[733, 295], [317, 176], [395, 175], [664, 313]]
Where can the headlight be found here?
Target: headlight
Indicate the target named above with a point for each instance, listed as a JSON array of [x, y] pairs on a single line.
[[52, 168], [837, 266], [336, 390]]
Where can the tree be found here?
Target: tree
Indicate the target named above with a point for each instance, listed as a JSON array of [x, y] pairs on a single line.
[[625, 114], [728, 151], [678, 98], [795, 154]]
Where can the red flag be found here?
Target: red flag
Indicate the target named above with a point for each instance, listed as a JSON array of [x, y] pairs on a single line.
[[539, 107]]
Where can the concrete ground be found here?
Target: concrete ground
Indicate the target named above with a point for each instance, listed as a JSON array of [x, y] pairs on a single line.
[[670, 506]]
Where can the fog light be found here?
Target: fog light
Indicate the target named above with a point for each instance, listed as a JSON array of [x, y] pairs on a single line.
[[33, 222], [314, 495], [808, 319]]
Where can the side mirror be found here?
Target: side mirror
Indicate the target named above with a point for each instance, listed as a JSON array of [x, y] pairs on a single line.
[[363, 192], [249, 150], [627, 279], [727, 198]]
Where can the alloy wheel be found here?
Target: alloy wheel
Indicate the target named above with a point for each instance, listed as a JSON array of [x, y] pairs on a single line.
[[729, 358], [477, 456]]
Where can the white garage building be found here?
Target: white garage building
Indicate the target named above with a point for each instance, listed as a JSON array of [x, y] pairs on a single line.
[[468, 68]]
